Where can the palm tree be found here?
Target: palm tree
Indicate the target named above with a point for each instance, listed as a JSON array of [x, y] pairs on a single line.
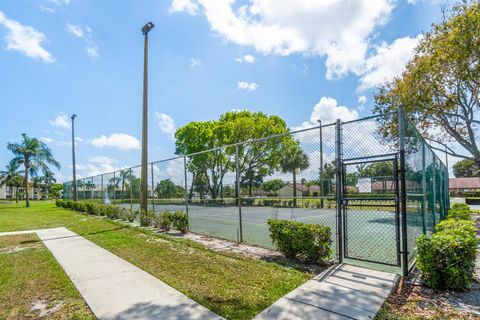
[[36, 183], [294, 160], [17, 182], [124, 176], [90, 186], [34, 155], [7, 177], [48, 179]]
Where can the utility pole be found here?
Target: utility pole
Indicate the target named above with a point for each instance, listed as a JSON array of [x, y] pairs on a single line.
[[143, 180]]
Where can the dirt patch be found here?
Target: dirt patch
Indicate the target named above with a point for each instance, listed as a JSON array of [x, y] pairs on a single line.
[[419, 302], [250, 251], [17, 243], [42, 309]]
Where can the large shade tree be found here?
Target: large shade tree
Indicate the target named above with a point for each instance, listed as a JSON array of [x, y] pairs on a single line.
[[256, 159], [466, 168], [440, 88], [33, 155]]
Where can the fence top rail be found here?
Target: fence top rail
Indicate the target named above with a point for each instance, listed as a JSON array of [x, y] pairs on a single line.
[[316, 127]]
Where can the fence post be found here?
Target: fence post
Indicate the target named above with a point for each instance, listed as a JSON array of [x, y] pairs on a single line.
[[339, 189], [424, 189], [320, 176], [403, 189], [186, 184], [239, 192], [114, 188], [153, 187], [434, 191]]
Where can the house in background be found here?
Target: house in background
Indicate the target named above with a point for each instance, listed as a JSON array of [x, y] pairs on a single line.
[[5, 193], [302, 191], [459, 187]]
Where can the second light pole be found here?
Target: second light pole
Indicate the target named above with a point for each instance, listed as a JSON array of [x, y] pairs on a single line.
[[144, 179]]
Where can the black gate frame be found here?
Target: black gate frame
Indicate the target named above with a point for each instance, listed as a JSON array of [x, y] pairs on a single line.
[[396, 199]]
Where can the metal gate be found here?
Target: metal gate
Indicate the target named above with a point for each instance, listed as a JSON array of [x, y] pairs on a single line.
[[371, 209]]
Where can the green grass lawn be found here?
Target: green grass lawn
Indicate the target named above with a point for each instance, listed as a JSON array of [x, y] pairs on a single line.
[[30, 276], [231, 285]]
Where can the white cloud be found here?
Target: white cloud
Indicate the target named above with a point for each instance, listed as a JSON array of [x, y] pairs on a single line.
[[117, 140], [46, 139], [195, 63], [248, 58], [244, 85], [25, 39], [46, 9], [92, 51], [172, 169], [327, 110], [61, 121], [389, 61], [165, 122], [102, 159], [75, 30], [59, 2], [86, 34], [95, 168], [340, 30], [188, 6], [361, 101]]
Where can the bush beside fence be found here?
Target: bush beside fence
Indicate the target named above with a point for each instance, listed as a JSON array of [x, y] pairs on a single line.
[[309, 242], [163, 220], [446, 259]]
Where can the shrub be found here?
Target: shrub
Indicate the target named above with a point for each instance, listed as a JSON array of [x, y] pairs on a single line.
[[180, 221], [59, 203], [310, 242], [91, 208], [68, 204], [147, 218], [79, 206], [111, 211], [446, 259], [459, 211], [165, 220], [131, 214]]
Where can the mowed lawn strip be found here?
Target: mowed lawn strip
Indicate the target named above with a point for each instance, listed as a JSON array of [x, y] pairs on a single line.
[[33, 284], [231, 285]]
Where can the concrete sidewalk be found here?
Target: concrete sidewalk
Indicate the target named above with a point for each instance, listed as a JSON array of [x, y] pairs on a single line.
[[112, 287], [343, 292]]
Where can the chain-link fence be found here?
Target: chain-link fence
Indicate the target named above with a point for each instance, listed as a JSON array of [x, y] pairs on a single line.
[[347, 176]]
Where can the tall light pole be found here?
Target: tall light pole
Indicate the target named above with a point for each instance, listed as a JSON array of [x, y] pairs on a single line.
[[73, 159], [321, 163], [143, 180]]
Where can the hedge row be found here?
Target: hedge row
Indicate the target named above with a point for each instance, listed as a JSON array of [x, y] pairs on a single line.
[[309, 242], [164, 220], [446, 259]]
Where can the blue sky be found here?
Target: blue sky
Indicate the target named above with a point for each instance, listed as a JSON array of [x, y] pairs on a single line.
[[301, 60]]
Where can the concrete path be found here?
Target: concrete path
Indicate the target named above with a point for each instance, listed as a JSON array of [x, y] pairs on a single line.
[[112, 287], [343, 292]]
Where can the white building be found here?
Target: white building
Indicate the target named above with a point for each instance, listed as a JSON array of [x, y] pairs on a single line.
[[5, 192]]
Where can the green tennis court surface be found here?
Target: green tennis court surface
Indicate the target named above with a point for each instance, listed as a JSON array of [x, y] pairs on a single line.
[[371, 235]]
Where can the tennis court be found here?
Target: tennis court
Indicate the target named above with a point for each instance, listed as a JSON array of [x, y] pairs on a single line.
[[390, 188], [370, 234]]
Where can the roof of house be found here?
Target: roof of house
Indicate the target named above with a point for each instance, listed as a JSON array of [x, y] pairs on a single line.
[[303, 188], [464, 183]]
